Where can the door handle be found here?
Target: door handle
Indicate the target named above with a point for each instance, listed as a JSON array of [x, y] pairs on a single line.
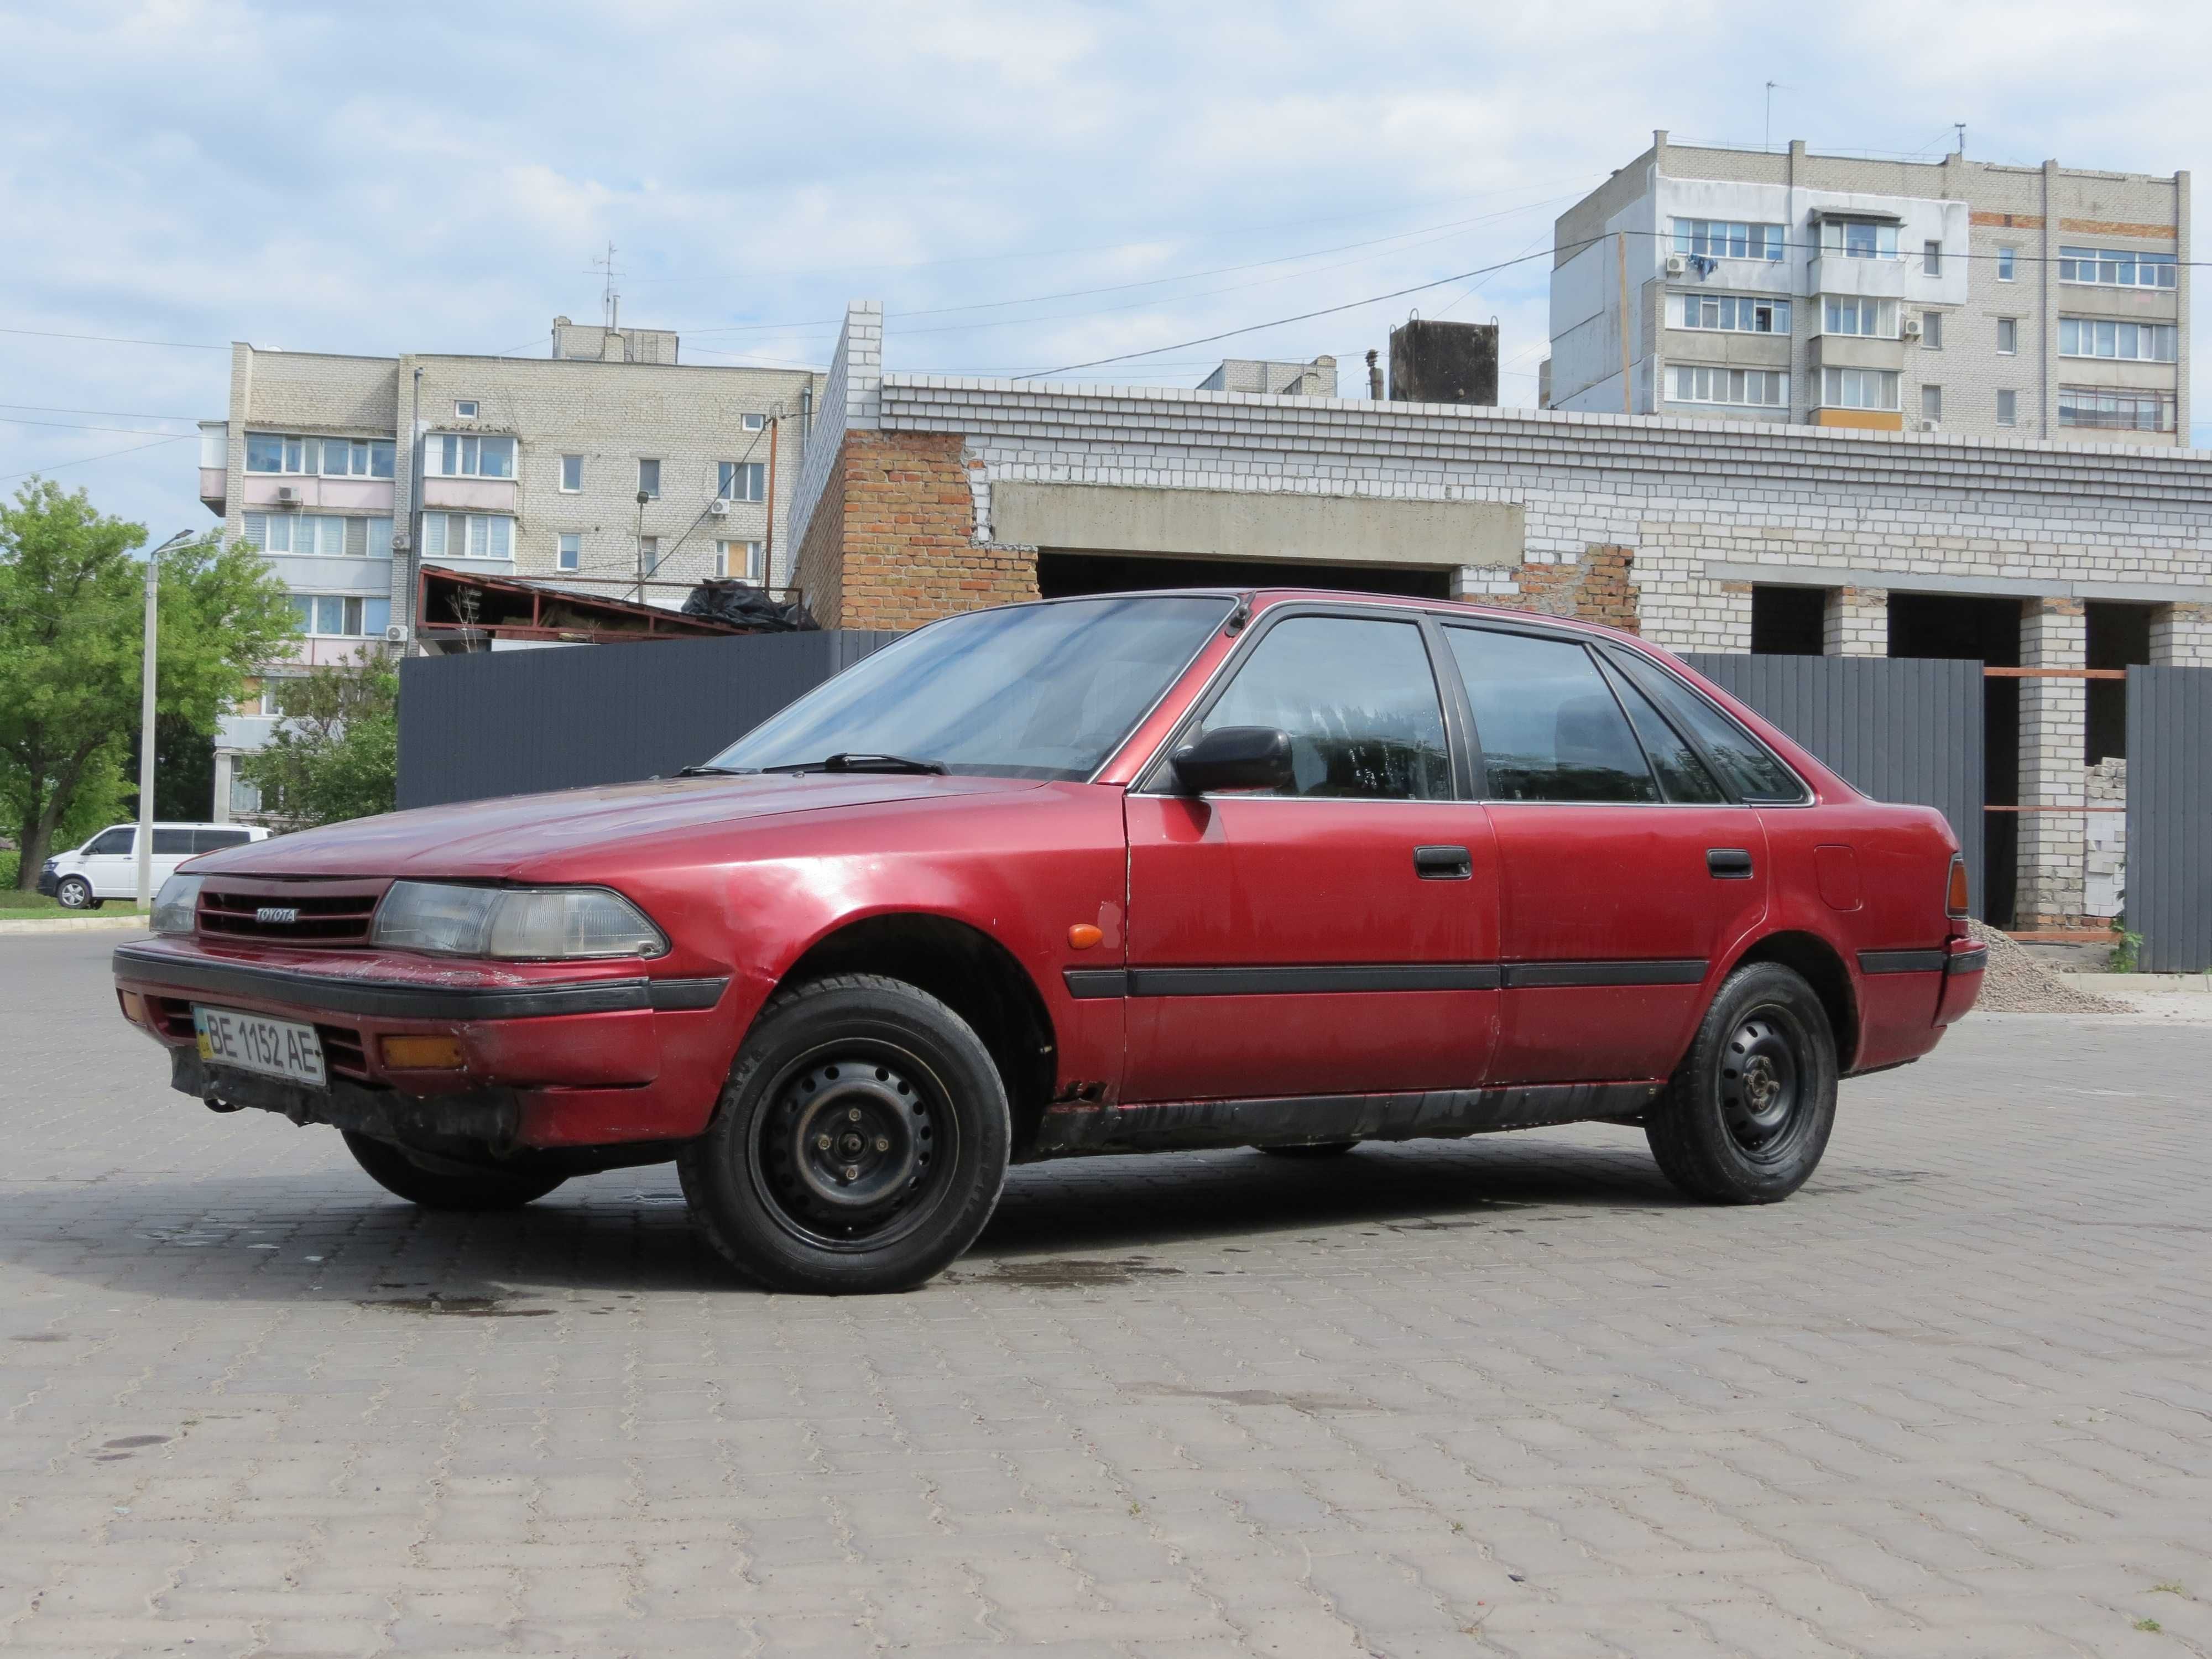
[[1443, 864], [1728, 864]]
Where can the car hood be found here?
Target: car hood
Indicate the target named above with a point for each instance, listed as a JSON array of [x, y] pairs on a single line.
[[490, 839]]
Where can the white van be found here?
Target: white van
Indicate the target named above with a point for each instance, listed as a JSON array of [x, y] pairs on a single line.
[[106, 866]]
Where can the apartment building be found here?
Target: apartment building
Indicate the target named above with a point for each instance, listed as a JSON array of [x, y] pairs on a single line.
[[608, 469], [1955, 296]]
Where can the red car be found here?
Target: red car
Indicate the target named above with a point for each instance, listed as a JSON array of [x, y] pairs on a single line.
[[1283, 870]]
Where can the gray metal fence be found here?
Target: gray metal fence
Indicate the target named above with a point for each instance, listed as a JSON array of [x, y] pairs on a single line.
[[2168, 882], [513, 722], [1900, 728]]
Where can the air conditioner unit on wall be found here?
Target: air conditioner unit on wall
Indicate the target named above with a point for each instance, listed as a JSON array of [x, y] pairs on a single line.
[[719, 506], [287, 496], [1677, 265], [1931, 426], [401, 541], [395, 635], [1911, 329]]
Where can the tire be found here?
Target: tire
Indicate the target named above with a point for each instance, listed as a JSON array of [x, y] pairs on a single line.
[[1317, 1149], [438, 1189], [860, 1144], [75, 894], [1748, 1115]]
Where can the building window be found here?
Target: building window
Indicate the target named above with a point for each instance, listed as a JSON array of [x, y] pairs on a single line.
[[2116, 268], [753, 422], [1876, 319], [467, 536], [2115, 411], [2005, 258], [465, 455], [1731, 314], [572, 473], [322, 534], [1723, 239], [328, 458], [570, 546], [2097, 336], [739, 559], [465, 409], [2008, 409], [648, 554], [341, 616], [1766, 388], [1931, 331], [1858, 239], [1931, 258], [1858, 388], [2007, 336], [741, 481], [649, 479], [1931, 403]]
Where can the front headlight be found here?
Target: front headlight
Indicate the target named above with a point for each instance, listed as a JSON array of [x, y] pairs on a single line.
[[176, 907], [515, 924]]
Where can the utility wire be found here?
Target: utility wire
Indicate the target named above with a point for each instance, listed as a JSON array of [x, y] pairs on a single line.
[[86, 460], [112, 339], [135, 414], [74, 426]]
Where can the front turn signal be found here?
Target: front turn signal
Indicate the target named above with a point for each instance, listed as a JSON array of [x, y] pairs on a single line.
[[425, 1053], [1954, 902]]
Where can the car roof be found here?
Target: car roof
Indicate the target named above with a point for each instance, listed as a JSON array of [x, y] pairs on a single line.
[[1262, 598]]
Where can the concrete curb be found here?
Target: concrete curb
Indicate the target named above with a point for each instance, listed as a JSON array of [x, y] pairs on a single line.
[[73, 924]]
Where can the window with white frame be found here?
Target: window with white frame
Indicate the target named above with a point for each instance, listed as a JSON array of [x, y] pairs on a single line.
[[2121, 411], [328, 458], [2102, 336], [2008, 409], [467, 536], [1931, 403], [648, 478], [323, 534], [753, 422], [742, 560], [2008, 337], [741, 481], [2116, 267], [572, 473], [466, 455], [1858, 239], [1697, 383], [1931, 258], [2007, 257], [1855, 314], [465, 409], [1858, 388], [1727, 238], [1931, 331], [569, 550], [648, 554], [341, 616], [1730, 313]]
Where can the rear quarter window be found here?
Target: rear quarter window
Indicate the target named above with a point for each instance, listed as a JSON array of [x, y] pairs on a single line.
[[1751, 770]]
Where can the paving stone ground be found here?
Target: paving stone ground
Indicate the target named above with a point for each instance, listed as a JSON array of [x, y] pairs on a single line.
[[1500, 1397]]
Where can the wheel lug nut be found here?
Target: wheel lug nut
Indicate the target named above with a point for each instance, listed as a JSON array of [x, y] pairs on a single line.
[[853, 1115], [851, 1173], [882, 1144], [822, 1141]]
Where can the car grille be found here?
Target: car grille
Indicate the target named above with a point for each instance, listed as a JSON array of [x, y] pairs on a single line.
[[321, 913]]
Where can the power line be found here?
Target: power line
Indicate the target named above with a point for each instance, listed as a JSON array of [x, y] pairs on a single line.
[[86, 460], [113, 339], [135, 414], [74, 426]]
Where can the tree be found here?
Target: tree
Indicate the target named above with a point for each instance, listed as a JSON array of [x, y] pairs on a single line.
[[72, 602], [337, 754]]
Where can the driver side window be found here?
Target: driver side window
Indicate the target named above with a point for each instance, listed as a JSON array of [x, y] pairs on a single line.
[[110, 842], [1360, 702]]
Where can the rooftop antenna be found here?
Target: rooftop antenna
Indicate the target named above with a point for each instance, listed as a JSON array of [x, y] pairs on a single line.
[[1961, 126], [1766, 140], [610, 300]]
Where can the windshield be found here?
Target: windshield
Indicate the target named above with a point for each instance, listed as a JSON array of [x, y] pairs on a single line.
[[1035, 691]]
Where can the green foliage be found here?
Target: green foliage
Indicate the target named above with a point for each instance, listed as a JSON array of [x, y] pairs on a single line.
[[336, 755], [72, 602]]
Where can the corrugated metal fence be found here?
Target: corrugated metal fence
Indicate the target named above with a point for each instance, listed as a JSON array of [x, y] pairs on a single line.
[[1900, 728], [2168, 891], [512, 722]]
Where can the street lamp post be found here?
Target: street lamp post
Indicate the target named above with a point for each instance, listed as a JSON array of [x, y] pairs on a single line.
[[145, 839]]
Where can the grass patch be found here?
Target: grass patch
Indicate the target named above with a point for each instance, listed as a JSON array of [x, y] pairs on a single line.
[[15, 904]]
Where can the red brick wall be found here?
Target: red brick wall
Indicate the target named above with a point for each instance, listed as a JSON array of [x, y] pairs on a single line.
[[1595, 588]]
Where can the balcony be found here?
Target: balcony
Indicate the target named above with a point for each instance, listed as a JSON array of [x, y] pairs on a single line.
[[1881, 277], [263, 490], [470, 494]]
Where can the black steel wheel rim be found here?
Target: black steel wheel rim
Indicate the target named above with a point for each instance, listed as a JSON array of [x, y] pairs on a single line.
[[855, 1146], [1763, 1086]]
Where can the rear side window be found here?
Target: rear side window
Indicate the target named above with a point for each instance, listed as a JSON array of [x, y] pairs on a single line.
[[1358, 701], [1747, 766], [173, 842], [207, 841], [109, 841], [1549, 725], [1681, 773]]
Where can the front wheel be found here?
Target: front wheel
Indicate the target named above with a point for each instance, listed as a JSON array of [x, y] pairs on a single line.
[[1748, 1115], [860, 1144], [75, 894], [445, 1189]]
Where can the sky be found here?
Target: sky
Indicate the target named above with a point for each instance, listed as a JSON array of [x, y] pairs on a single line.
[[1024, 183]]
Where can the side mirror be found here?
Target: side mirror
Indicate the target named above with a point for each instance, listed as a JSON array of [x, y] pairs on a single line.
[[1235, 757]]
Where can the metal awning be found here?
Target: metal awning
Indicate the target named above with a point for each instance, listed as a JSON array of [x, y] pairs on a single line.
[[1854, 215]]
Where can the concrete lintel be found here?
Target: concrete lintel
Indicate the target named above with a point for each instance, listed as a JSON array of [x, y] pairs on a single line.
[[1227, 524], [1916, 581]]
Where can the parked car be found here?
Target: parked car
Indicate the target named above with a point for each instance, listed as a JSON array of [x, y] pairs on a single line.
[[1285, 870], [106, 866]]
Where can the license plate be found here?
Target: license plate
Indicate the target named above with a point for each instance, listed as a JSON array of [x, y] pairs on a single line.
[[251, 1042]]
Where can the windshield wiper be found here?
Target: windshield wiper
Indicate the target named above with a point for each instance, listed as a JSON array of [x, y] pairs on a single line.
[[716, 772], [842, 762]]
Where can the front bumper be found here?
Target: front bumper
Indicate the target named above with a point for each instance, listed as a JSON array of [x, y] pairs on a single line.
[[50, 883], [557, 1055]]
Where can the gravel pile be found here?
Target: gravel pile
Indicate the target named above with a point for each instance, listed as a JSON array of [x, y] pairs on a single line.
[[2017, 984]]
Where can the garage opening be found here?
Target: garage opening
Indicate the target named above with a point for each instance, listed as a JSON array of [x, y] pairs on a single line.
[[1985, 630], [2119, 637], [1062, 573]]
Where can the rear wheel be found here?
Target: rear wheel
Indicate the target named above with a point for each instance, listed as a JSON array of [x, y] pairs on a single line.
[[1314, 1149], [1748, 1113], [445, 1188], [75, 894], [860, 1144]]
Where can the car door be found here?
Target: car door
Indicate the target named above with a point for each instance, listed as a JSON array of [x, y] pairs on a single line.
[[1625, 868], [108, 865], [173, 845], [1335, 937]]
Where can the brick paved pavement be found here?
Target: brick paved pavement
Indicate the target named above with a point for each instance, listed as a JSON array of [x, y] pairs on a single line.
[[1499, 1397]]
